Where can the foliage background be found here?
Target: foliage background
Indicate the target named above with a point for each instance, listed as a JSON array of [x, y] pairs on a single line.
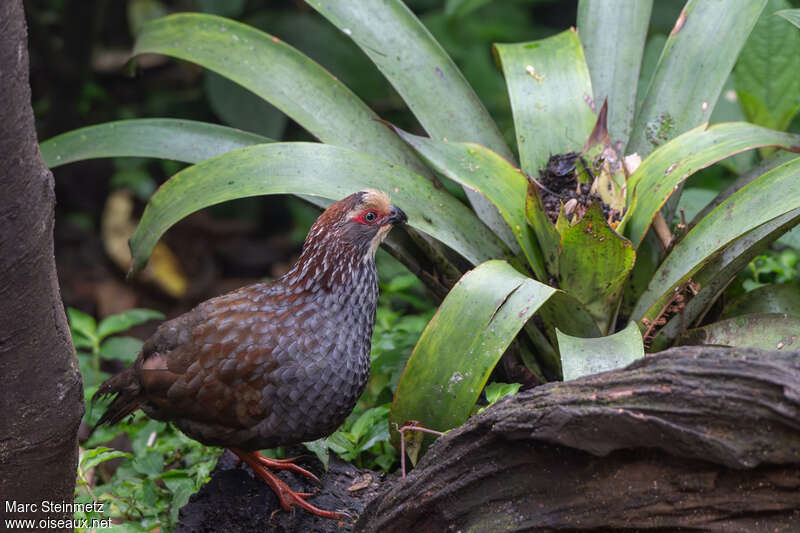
[[78, 55]]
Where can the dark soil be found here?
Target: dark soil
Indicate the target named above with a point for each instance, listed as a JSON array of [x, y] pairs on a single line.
[[235, 501]]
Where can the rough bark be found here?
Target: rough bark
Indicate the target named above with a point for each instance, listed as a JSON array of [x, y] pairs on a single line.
[[40, 386], [703, 439]]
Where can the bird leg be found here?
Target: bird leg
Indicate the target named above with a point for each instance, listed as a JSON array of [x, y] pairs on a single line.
[[286, 464], [262, 466]]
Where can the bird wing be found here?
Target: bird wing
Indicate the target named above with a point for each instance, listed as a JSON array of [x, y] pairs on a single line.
[[225, 361]]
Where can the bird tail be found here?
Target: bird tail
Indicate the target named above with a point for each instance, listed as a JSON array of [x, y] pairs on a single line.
[[126, 392]]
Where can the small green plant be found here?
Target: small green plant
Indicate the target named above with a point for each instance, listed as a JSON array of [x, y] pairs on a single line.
[[364, 440], [149, 486], [496, 391], [93, 341], [771, 267]]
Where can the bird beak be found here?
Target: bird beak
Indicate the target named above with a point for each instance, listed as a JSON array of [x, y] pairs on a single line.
[[396, 216]]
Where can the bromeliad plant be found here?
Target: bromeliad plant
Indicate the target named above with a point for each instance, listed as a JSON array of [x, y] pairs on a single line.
[[565, 235]]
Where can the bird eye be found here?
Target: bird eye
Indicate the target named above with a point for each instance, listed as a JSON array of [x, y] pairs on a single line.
[[371, 216]]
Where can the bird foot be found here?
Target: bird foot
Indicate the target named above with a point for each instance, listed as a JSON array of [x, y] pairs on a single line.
[[286, 464], [261, 467]]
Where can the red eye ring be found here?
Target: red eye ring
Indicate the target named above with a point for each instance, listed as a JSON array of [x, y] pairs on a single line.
[[369, 217]]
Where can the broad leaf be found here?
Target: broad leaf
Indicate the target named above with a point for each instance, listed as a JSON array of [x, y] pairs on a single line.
[[688, 79], [551, 94], [767, 74], [772, 195], [483, 171], [717, 273], [122, 348], [191, 142], [613, 35], [126, 320], [425, 76], [768, 331], [315, 169], [778, 158], [594, 264], [782, 298], [82, 323], [652, 51], [582, 357], [240, 108], [665, 169], [462, 344], [179, 140], [280, 74]]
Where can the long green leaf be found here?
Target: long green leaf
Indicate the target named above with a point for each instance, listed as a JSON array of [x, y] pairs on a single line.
[[485, 172], [550, 90], [688, 79], [613, 35], [180, 140], [783, 298], [462, 344], [582, 357], [666, 168], [594, 264], [425, 76], [715, 275], [315, 169], [778, 158], [768, 331], [792, 15], [280, 74], [772, 195]]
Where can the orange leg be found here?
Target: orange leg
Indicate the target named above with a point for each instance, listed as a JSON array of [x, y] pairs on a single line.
[[262, 468]]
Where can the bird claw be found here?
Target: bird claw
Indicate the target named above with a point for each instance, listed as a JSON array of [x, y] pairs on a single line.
[[261, 467]]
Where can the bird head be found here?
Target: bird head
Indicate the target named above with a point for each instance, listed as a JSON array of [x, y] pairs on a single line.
[[360, 222]]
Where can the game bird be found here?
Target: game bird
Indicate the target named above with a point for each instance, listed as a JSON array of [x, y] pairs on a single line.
[[271, 364]]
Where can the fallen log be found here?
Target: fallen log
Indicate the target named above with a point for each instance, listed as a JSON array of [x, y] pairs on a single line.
[[699, 438]]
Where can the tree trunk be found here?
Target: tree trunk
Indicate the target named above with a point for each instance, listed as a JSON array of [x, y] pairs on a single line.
[[696, 438], [40, 384]]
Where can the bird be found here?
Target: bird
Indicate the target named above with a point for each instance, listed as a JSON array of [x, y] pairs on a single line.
[[274, 363]]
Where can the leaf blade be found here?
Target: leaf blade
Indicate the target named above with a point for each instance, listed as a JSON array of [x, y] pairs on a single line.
[[274, 71], [613, 36], [594, 264], [126, 320], [687, 81], [448, 369], [487, 173], [314, 169], [715, 275], [424, 75], [765, 199], [548, 84], [187, 141], [768, 331], [657, 178], [582, 357]]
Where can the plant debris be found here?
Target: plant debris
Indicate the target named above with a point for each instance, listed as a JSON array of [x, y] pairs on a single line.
[[558, 184]]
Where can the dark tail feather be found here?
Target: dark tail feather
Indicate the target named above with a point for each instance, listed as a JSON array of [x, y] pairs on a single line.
[[125, 389]]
